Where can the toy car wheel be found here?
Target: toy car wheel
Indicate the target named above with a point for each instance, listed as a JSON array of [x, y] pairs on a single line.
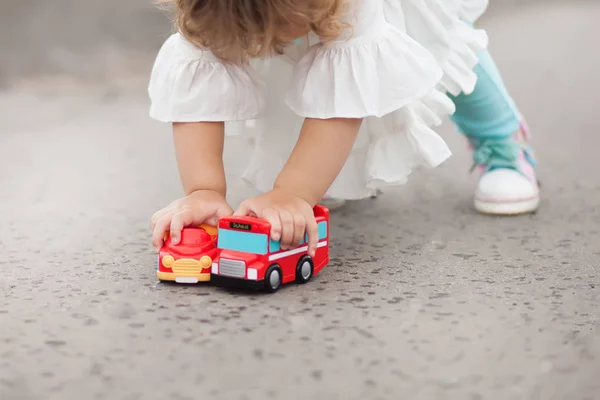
[[304, 270], [273, 279]]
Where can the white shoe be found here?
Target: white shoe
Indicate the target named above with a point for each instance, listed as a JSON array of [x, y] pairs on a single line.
[[506, 192], [508, 184]]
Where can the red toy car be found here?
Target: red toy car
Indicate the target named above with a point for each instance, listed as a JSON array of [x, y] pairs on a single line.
[[248, 258], [189, 261]]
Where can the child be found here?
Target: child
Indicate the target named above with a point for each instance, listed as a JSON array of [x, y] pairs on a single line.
[[498, 135], [363, 82]]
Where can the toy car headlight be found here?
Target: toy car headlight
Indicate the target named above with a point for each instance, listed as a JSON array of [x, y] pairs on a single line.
[[206, 262], [168, 261]]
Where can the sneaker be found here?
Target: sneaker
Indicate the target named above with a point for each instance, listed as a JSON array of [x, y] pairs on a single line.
[[508, 184]]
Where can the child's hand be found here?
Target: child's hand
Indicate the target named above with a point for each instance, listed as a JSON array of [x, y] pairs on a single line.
[[199, 207], [291, 217]]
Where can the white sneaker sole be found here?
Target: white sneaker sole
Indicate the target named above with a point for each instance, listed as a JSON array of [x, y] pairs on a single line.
[[507, 208]]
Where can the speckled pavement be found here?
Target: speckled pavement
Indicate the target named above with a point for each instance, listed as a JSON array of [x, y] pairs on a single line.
[[424, 299]]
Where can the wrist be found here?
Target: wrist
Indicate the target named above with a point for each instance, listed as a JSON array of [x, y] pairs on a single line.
[[220, 191], [298, 190], [209, 176]]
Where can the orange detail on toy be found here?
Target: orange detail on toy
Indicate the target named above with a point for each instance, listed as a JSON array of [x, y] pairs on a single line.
[[212, 230]]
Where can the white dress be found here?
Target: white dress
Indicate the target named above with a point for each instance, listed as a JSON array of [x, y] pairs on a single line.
[[393, 68]]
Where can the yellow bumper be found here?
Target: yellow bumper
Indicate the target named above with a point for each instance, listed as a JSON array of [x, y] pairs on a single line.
[[169, 276], [185, 269]]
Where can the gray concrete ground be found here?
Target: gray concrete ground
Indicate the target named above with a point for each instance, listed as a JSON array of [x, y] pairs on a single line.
[[424, 299]]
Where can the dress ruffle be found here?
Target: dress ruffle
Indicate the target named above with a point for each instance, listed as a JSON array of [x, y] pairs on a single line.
[[471, 10], [191, 85], [371, 78], [444, 29]]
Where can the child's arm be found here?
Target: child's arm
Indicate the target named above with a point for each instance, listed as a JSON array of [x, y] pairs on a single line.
[[317, 159], [199, 151]]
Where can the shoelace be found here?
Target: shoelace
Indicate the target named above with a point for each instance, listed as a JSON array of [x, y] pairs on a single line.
[[496, 153]]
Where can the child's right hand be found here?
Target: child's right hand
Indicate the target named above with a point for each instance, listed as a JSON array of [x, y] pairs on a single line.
[[199, 207]]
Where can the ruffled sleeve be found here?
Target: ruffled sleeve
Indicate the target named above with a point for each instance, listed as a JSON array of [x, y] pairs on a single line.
[[373, 70], [191, 85]]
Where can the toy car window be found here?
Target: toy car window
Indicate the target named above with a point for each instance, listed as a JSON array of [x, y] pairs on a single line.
[[245, 242], [322, 230]]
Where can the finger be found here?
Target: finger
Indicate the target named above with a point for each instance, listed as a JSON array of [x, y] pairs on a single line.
[[222, 211], [212, 221], [158, 234], [299, 229], [272, 217], [162, 212], [181, 220], [244, 209], [158, 215], [313, 235], [287, 229]]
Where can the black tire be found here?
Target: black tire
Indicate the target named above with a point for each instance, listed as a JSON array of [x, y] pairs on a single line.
[[272, 284], [305, 270]]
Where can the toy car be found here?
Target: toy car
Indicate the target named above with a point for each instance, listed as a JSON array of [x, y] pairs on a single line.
[[248, 258], [189, 261]]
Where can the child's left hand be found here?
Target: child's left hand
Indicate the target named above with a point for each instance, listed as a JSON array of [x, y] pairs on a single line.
[[291, 217]]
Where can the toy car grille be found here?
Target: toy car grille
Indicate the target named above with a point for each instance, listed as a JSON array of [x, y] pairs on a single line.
[[232, 268], [186, 267]]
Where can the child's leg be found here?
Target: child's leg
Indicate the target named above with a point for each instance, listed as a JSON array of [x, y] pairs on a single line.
[[493, 125], [489, 112]]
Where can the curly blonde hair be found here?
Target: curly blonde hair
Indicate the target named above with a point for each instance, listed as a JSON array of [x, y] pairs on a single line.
[[238, 30]]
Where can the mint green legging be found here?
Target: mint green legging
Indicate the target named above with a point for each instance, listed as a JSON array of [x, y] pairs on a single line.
[[489, 112]]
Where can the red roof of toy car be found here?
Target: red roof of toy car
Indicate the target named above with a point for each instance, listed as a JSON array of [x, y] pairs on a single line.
[[194, 241]]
